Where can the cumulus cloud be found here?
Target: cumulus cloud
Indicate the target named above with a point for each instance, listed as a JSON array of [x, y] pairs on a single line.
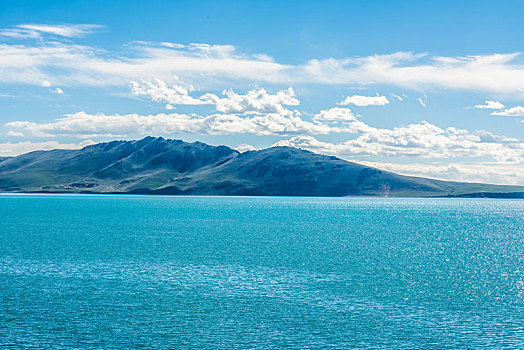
[[363, 101], [25, 31], [160, 91], [336, 114], [517, 111], [490, 105], [14, 149], [254, 101], [343, 116], [245, 147], [421, 140], [57, 91]]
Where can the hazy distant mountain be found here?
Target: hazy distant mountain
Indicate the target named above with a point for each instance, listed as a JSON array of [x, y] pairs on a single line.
[[157, 165]]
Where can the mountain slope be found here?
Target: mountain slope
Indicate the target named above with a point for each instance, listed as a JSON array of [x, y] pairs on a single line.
[[157, 165]]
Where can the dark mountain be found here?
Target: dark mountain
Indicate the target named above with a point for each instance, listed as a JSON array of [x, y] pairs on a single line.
[[160, 166]]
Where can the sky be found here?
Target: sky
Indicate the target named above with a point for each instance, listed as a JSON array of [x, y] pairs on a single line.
[[432, 89]]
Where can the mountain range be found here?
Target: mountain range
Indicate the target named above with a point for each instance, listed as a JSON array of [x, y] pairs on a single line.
[[164, 166]]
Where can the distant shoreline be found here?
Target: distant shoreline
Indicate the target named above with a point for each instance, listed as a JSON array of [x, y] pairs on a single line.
[[480, 195]]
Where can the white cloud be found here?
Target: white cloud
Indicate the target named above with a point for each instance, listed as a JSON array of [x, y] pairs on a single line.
[[422, 101], [517, 111], [15, 133], [14, 149], [254, 101], [66, 63], [159, 91], [495, 73], [349, 123], [484, 172], [490, 105], [33, 31], [399, 98], [45, 83], [19, 34], [245, 147], [422, 140], [363, 101], [69, 64], [336, 114], [57, 91], [86, 125]]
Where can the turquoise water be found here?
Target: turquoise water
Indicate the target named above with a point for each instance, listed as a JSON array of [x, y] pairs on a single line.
[[123, 272]]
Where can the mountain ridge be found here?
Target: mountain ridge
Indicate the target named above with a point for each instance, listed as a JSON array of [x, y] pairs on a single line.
[[154, 165]]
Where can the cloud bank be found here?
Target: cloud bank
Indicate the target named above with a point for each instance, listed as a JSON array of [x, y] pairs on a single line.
[[65, 63], [13, 149], [85, 125], [420, 140]]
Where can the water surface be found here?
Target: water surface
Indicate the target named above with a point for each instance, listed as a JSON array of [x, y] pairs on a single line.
[[96, 271]]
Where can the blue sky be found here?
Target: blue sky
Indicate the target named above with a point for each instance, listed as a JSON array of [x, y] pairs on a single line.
[[399, 85]]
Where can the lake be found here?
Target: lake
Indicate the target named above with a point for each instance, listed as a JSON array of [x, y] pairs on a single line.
[[121, 271]]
